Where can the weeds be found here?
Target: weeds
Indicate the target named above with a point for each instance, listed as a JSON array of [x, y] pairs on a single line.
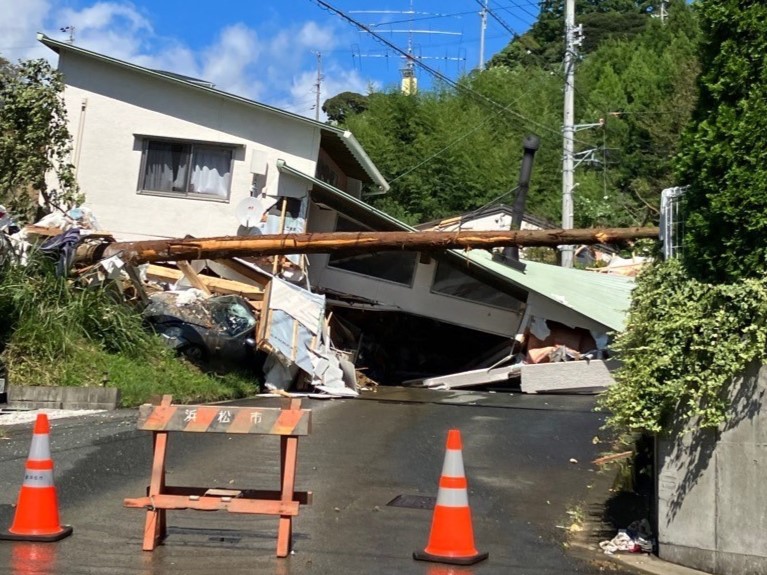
[[54, 334]]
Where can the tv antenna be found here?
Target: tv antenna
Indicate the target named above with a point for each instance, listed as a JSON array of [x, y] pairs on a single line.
[[71, 30], [409, 83]]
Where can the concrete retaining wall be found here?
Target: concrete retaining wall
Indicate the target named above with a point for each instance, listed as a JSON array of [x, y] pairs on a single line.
[[712, 488], [36, 397]]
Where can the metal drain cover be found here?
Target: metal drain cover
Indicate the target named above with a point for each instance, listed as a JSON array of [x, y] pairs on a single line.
[[232, 540], [413, 501]]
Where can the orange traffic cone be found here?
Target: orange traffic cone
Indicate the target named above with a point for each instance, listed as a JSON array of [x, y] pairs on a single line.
[[452, 538], [37, 510]]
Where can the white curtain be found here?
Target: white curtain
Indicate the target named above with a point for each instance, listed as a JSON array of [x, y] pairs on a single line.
[[210, 174], [166, 167]]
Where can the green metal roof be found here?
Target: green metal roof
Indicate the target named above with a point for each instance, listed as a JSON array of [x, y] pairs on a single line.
[[602, 297]]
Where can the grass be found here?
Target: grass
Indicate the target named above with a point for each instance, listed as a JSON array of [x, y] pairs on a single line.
[[54, 333]]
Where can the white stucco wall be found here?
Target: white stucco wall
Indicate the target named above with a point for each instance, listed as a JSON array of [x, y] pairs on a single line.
[[111, 108]]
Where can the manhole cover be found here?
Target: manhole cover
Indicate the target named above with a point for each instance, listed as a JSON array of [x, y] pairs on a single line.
[[232, 540], [413, 501]]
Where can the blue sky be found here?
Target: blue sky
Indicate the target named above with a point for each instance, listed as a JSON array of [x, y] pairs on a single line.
[[267, 49]]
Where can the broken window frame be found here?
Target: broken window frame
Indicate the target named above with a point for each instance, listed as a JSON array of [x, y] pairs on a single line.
[[515, 305], [409, 259], [190, 149]]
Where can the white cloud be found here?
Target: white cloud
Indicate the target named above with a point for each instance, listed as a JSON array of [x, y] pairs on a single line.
[[231, 62], [18, 33], [275, 64], [105, 15]]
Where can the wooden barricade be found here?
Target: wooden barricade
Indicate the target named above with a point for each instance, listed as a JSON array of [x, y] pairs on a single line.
[[288, 422]]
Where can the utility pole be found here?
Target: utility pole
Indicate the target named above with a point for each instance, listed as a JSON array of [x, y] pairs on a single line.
[[318, 87], [572, 41], [482, 29], [663, 12]]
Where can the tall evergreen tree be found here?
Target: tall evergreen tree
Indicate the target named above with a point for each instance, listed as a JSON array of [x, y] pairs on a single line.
[[724, 158]]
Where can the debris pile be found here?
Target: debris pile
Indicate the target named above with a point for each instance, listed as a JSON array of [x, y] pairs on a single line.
[[229, 311], [636, 538], [246, 301], [549, 356]]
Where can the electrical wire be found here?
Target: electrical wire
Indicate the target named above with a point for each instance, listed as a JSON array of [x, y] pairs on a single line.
[[446, 148], [436, 73], [508, 9], [497, 18]]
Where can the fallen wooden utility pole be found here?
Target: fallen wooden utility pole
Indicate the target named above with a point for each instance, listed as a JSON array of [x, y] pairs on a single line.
[[350, 242]]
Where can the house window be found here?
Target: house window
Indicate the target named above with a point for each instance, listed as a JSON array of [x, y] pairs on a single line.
[[186, 169], [453, 282], [397, 267]]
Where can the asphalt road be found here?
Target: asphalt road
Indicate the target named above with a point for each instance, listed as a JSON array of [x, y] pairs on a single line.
[[362, 454]]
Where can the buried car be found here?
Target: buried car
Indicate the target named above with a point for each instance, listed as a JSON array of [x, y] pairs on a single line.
[[203, 329]]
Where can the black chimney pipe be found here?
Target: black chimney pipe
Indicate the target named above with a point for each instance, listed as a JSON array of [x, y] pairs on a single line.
[[531, 143]]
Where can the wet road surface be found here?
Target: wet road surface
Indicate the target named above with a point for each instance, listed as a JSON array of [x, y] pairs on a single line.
[[361, 455]]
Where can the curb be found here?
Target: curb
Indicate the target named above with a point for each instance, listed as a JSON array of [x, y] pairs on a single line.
[[584, 544], [58, 397]]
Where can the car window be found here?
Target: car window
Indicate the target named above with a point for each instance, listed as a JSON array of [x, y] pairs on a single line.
[[232, 317]]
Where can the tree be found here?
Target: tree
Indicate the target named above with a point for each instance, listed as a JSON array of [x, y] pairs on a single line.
[[450, 151], [724, 157], [645, 90], [601, 20], [344, 104], [34, 140]]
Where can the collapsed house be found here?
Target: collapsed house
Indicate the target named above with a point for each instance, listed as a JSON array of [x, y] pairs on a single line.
[[159, 155]]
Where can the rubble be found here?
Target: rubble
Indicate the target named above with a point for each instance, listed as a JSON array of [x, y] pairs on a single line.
[[636, 538], [208, 304], [198, 313]]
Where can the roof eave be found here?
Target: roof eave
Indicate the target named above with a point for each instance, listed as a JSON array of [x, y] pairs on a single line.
[[346, 137]]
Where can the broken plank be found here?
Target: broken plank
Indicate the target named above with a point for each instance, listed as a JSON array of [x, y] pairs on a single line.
[[612, 457], [216, 285], [191, 275], [470, 378], [247, 271]]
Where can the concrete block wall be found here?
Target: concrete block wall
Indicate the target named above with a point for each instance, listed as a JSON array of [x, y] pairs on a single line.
[[712, 487], [34, 397]]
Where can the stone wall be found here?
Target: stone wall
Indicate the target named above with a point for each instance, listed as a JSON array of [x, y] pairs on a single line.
[[712, 488]]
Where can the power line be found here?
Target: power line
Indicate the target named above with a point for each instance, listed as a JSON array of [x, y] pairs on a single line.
[[508, 9], [434, 72], [497, 18], [450, 145]]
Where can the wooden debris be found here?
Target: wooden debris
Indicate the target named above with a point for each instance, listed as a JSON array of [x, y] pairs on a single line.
[[216, 285], [612, 457], [191, 275]]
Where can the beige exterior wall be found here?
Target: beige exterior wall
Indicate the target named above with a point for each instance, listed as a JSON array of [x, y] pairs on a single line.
[[111, 109]]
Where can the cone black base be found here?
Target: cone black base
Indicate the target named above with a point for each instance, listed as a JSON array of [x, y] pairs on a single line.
[[470, 560], [66, 531]]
